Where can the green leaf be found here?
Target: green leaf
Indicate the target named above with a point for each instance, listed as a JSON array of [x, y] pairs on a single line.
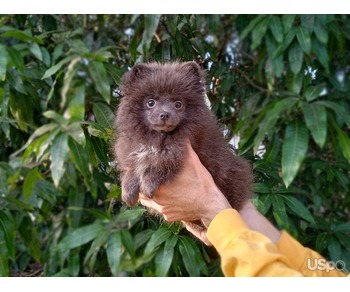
[[307, 21], [100, 148], [4, 186], [114, 251], [15, 59], [288, 20], [80, 158], [76, 108], [262, 188], [16, 81], [140, 238], [40, 145], [322, 241], [76, 131], [3, 62], [35, 50], [99, 75], [46, 58], [191, 257], [96, 245], [295, 82], [295, 57], [151, 25], [251, 25], [74, 263], [59, 152], [29, 182], [259, 32], [29, 234], [97, 130], [321, 52], [157, 238], [46, 190], [172, 21], [276, 28], [304, 39], [163, 261], [130, 215], [104, 115], [18, 204], [271, 118], [164, 257], [49, 72], [278, 65], [114, 72], [4, 258], [57, 52], [76, 199], [313, 92], [298, 208], [320, 31], [7, 232], [294, 150], [279, 211], [264, 203], [81, 236], [338, 110], [315, 116], [343, 227], [344, 141], [69, 75], [344, 239], [131, 244], [334, 249], [52, 115], [272, 149], [21, 35]]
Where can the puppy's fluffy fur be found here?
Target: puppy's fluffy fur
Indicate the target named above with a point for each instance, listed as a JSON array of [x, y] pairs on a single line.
[[162, 106]]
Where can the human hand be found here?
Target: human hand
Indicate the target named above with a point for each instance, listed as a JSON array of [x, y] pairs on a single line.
[[192, 195]]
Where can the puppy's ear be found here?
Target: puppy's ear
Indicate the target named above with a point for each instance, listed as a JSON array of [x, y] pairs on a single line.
[[192, 68], [138, 71]]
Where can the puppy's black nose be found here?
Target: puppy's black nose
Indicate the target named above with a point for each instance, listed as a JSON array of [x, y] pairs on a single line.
[[164, 116]]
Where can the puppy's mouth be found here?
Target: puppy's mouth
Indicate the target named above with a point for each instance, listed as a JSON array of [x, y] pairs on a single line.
[[164, 127]]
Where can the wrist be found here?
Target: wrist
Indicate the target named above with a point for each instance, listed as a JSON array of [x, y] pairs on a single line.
[[215, 205]]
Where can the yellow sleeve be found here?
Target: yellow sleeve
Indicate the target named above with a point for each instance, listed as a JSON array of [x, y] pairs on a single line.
[[246, 253], [307, 261]]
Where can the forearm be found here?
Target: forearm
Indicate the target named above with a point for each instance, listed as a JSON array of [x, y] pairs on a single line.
[[257, 222]]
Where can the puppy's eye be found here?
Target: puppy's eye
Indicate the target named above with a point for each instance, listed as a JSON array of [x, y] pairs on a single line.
[[151, 103], [178, 104]]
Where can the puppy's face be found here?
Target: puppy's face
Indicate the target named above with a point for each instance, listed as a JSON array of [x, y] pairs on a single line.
[[161, 97], [163, 114]]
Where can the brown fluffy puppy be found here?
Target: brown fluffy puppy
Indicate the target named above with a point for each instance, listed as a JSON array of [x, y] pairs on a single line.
[[162, 106]]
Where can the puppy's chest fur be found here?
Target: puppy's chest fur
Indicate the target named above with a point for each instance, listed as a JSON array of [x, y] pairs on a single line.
[[147, 157]]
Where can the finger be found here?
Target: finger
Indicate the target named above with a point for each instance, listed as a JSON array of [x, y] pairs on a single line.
[[148, 203], [199, 233]]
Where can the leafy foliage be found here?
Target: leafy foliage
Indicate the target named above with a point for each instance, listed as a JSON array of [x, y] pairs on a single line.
[[279, 82]]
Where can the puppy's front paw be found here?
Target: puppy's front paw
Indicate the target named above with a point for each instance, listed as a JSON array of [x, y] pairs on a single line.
[[148, 188], [130, 191]]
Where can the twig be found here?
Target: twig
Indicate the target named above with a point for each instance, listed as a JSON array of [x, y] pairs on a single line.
[[251, 82]]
